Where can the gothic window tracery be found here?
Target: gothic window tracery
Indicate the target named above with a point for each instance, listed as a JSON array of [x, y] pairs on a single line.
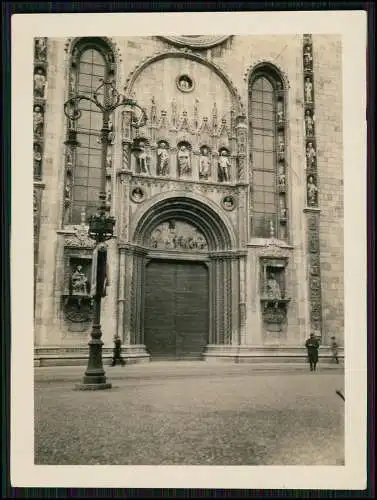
[[268, 147], [92, 60]]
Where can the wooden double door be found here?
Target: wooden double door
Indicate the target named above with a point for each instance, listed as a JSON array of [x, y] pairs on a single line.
[[176, 314]]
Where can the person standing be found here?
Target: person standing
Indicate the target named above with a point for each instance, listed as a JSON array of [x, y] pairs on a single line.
[[334, 350], [117, 352], [312, 346]]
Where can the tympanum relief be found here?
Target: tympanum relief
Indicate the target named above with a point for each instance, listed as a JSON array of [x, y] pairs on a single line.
[[177, 235]]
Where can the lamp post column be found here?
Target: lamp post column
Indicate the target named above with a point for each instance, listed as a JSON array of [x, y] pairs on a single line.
[[95, 377]]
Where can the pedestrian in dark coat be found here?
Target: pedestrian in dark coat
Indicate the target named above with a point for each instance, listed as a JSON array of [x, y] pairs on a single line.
[[117, 352], [312, 346]]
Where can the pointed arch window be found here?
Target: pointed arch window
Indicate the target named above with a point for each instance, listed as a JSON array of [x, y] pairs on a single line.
[[92, 60], [266, 112]]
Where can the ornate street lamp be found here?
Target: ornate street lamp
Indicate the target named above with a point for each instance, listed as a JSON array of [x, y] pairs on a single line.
[[101, 225]]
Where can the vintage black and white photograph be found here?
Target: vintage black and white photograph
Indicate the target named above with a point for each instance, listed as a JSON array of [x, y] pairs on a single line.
[[188, 249]]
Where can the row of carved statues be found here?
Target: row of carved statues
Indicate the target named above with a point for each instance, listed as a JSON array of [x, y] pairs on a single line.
[[162, 160]]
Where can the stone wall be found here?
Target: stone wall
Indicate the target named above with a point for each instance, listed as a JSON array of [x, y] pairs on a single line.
[[327, 63]]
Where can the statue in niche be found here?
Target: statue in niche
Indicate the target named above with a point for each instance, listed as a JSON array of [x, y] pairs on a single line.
[[72, 82], [205, 163], [308, 90], [312, 191], [39, 83], [162, 158], [282, 179], [184, 160], [143, 160], [281, 148], [310, 155], [38, 121], [308, 58], [79, 282], [280, 112], [67, 192], [309, 123], [37, 156], [110, 135], [224, 166], [40, 49], [272, 287], [109, 160]]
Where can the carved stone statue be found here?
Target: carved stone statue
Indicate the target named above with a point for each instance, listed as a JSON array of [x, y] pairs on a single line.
[[272, 288], [308, 58], [38, 121], [109, 160], [309, 123], [184, 160], [310, 155], [205, 164], [79, 282], [280, 112], [143, 159], [37, 157], [282, 178], [308, 90], [111, 135], [312, 191], [224, 166], [39, 83], [281, 148], [162, 159], [40, 49]]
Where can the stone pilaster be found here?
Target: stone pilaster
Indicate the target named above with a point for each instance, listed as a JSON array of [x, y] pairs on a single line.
[[312, 187]]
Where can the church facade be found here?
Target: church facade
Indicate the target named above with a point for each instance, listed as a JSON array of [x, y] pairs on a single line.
[[228, 202]]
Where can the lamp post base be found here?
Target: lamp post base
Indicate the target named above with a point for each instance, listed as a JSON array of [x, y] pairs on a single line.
[[94, 378]]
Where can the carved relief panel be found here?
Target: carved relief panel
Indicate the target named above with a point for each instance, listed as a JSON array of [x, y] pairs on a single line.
[[177, 235]]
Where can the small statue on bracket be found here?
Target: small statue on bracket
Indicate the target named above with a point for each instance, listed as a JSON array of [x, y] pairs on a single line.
[[272, 287], [205, 163], [308, 58], [79, 282], [280, 112], [143, 160], [184, 160], [309, 123], [162, 158], [308, 90], [224, 166], [312, 191], [310, 155], [39, 83], [38, 121]]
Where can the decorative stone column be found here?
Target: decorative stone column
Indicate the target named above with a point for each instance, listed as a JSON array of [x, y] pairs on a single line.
[[312, 188]]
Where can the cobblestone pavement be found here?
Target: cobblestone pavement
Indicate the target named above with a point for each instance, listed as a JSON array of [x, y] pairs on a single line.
[[191, 413]]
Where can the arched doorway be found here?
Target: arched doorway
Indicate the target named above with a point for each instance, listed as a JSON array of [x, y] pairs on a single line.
[[185, 278]]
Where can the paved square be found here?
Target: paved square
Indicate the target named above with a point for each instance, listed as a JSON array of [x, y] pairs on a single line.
[[191, 413]]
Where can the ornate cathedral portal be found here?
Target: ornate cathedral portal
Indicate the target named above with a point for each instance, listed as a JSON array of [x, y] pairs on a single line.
[[217, 242]]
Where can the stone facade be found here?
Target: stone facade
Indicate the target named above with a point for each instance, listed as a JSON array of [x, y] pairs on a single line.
[[247, 322]]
